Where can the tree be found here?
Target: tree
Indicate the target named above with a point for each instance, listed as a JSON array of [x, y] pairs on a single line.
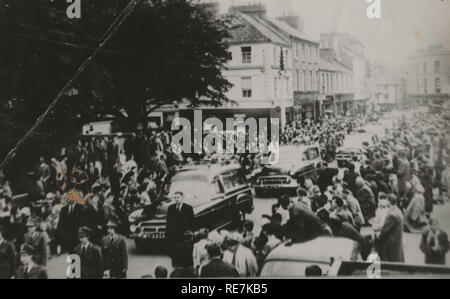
[[166, 51]]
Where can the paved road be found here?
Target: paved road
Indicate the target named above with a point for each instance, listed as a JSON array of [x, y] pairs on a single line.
[[141, 264]]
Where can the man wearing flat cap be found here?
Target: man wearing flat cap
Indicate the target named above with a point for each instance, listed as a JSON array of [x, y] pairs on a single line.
[[115, 252], [90, 256], [39, 241], [30, 269]]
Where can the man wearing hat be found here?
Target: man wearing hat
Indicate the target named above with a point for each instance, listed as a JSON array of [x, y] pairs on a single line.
[[7, 256], [90, 256], [30, 269], [115, 252], [39, 241]]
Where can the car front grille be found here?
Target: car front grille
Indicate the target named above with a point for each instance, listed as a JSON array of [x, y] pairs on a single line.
[[273, 180], [149, 227]]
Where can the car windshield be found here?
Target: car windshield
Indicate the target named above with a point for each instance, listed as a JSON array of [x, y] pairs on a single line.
[[310, 154], [290, 268], [196, 188], [232, 179]]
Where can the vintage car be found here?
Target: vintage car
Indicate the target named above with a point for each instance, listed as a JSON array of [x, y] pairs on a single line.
[[290, 260], [220, 196], [360, 269], [344, 155], [293, 166]]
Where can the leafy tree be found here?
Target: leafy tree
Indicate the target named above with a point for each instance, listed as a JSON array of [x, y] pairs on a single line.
[[166, 51]]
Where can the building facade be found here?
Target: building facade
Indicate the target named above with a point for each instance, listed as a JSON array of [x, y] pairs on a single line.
[[335, 83], [350, 52], [429, 78]]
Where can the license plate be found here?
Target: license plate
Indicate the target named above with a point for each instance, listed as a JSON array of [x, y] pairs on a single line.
[[154, 236]]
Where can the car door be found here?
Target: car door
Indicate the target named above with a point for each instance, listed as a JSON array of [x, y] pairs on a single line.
[[215, 212]]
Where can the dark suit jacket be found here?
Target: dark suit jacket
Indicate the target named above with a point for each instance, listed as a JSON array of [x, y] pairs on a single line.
[[40, 245], [303, 225], [391, 237], [91, 262], [219, 268], [38, 272], [178, 222], [67, 229], [182, 255], [326, 177], [7, 260], [115, 255]]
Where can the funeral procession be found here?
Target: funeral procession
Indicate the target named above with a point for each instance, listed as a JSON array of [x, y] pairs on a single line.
[[151, 139]]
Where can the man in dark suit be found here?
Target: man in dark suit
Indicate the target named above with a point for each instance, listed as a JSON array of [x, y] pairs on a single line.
[[7, 257], [90, 256], [183, 252], [30, 269], [303, 225], [115, 253], [217, 267], [69, 222], [390, 240], [39, 241], [180, 218], [326, 177]]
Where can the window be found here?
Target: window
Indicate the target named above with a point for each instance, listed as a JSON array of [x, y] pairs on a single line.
[[246, 87], [303, 82], [386, 96], [296, 78], [274, 55], [246, 55], [437, 67], [311, 80], [424, 67], [425, 87], [437, 83], [275, 89], [323, 83]]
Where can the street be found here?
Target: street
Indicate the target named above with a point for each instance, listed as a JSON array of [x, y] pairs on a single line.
[[143, 264]]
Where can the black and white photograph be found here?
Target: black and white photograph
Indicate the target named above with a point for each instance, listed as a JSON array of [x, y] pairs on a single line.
[[250, 140]]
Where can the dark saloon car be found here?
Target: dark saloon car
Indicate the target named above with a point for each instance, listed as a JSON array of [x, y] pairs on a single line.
[[220, 196], [294, 165]]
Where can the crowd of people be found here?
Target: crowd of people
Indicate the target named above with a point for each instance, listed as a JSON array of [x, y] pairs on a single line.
[[89, 190], [79, 201]]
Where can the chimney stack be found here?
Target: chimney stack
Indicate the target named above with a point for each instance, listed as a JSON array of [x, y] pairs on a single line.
[[293, 21], [258, 10]]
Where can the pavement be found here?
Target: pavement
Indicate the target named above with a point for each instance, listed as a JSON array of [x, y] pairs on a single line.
[[144, 263]]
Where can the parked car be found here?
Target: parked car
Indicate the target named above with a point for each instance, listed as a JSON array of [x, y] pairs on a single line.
[[294, 165], [220, 196], [290, 260], [344, 155], [359, 269]]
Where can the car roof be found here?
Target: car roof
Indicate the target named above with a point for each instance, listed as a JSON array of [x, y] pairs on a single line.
[[320, 249], [209, 171]]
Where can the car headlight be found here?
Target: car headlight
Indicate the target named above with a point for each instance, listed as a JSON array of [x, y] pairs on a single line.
[[133, 228], [134, 216]]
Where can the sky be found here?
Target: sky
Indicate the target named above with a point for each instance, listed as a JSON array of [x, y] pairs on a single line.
[[405, 26]]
